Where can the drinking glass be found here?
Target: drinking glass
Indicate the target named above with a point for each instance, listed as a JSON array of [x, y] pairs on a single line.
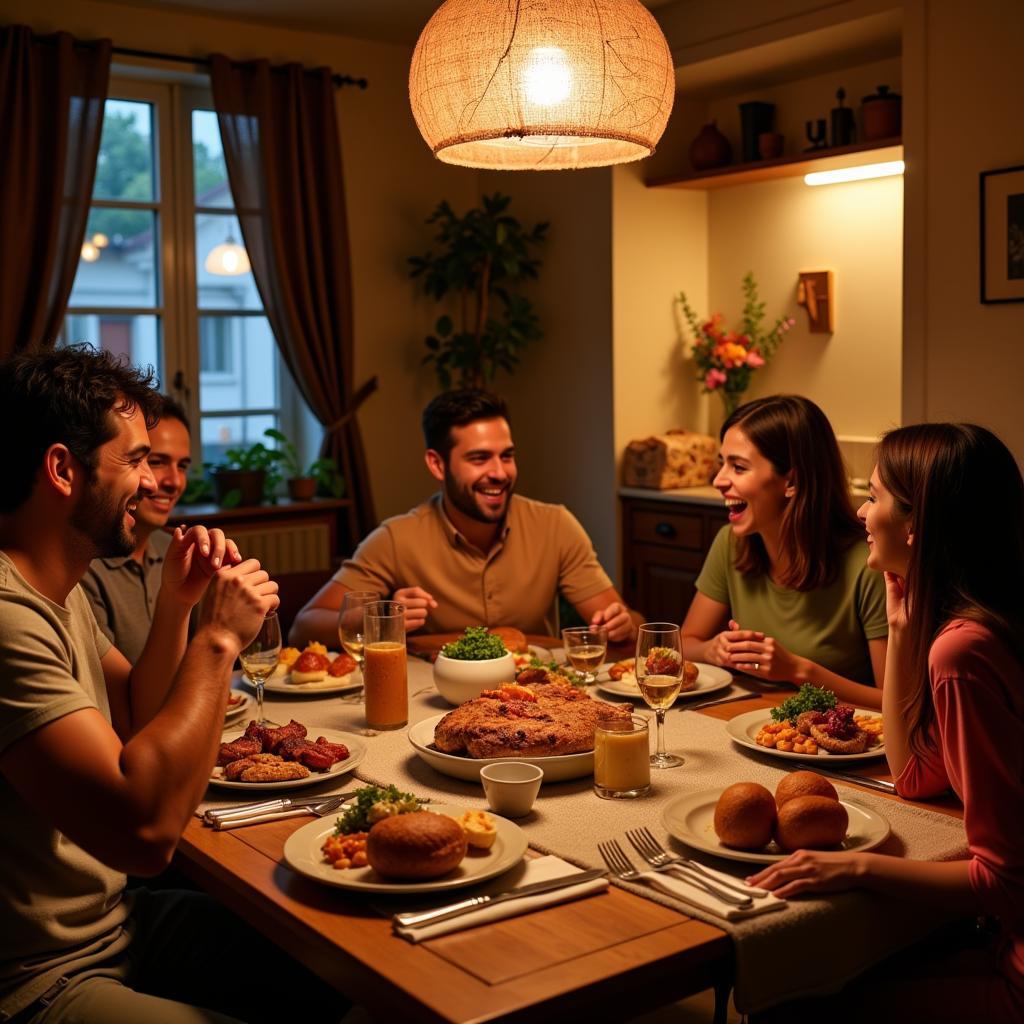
[[259, 659], [622, 758], [659, 674], [585, 648], [350, 621], [385, 677]]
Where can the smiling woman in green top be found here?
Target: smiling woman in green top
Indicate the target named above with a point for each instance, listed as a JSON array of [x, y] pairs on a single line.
[[785, 593]]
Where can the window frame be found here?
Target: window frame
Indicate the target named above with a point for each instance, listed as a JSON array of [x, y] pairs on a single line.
[[174, 95]]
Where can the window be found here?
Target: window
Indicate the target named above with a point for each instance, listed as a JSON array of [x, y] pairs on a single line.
[[161, 204]]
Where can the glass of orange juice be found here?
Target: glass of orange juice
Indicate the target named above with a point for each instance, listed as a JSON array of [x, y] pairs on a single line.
[[385, 677], [622, 758]]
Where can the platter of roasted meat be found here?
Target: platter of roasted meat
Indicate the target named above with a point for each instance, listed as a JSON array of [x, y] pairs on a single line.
[[549, 725], [283, 757]]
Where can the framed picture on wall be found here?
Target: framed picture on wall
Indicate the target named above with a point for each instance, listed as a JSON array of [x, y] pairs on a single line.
[[1002, 235]]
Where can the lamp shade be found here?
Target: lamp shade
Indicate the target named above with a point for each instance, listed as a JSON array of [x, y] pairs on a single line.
[[543, 85], [229, 259]]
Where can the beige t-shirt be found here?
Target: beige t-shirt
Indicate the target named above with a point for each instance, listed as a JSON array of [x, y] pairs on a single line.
[[542, 551], [59, 906]]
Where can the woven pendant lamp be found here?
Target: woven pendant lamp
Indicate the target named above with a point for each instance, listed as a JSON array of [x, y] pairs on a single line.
[[541, 84]]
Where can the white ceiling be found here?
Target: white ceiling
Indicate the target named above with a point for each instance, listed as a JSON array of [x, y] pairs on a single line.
[[395, 21]]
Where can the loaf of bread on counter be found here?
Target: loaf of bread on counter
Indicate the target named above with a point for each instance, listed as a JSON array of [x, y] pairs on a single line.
[[675, 459]]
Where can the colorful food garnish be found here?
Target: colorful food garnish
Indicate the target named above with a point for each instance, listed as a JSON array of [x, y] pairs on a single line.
[[662, 661], [373, 804], [807, 698]]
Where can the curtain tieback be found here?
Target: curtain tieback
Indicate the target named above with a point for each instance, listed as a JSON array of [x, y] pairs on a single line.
[[355, 402]]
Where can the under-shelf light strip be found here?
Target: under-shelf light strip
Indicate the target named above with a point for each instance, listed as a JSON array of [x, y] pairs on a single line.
[[883, 170]]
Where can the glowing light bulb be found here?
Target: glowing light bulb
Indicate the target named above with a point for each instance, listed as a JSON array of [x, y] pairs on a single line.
[[100, 240], [228, 260], [547, 78], [89, 252]]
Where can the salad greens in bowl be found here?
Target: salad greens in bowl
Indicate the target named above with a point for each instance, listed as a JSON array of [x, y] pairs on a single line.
[[477, 661]]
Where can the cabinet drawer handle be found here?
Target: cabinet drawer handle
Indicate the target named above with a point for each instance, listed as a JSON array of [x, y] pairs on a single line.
[[665, 530]]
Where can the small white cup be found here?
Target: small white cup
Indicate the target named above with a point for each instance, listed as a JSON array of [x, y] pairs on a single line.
[[511, 787]]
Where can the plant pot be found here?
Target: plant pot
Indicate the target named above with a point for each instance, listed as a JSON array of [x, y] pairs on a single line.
[[234, 487], [882, 114], [301, 488]]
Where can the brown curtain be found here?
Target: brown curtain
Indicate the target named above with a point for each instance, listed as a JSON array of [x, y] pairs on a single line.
[[52, 91], [283, 156]]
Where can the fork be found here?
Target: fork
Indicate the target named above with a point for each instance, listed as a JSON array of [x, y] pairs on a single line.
[[662, 860], [622, 867]]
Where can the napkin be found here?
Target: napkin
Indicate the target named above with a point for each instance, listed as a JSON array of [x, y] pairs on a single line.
[[675, 885], [537, 870]]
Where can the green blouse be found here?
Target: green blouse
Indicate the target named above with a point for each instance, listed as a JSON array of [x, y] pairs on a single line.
[[831, 625]]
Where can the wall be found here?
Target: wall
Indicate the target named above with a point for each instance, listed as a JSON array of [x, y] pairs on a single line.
[[779, 228], [561, 398], [392, 183], [965, 360]]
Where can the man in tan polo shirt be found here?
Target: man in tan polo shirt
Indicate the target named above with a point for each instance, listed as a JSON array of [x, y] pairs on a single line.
[[475, 553]]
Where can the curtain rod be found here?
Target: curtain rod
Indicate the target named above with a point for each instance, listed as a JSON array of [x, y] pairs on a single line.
[[338, 80]]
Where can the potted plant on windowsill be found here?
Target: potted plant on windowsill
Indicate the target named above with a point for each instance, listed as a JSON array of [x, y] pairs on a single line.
[[245, 476], [304, 483]]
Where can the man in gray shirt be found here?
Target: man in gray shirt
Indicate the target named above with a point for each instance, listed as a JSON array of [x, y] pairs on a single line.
[[123, 590]]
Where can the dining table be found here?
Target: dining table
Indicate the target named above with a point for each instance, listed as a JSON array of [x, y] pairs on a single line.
[[619, 952]]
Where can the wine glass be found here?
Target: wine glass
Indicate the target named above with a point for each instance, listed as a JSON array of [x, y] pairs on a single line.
[[259, 659], [350, 622], [585, 648], [659, 674]]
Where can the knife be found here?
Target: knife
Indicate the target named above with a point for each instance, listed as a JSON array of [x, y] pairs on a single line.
[[248, 810], [860, 780], [415, 920], [320, 808]]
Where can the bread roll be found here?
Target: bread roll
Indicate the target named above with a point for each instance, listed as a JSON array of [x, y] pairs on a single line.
[[514, 639], [804, 784], [811, 823], [690, 673], [416, 845], [745, 816]]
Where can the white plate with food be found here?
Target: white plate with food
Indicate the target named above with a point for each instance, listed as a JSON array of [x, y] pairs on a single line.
[[281, 680], [710, 679], [745, 728], [691, 820], [303, 851], [356, 752], [238, 704], [459, 766]]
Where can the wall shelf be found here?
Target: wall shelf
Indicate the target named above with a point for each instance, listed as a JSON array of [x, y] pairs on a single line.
[[785, 166]]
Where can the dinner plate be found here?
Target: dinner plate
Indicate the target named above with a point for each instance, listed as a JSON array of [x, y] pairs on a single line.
[[280, 684], [302, 851], [239, 709], [691, 820], [556, 769], [710, 678], [356, 751], [743, 728]]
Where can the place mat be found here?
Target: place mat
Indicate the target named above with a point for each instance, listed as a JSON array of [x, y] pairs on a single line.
[[832, 939]]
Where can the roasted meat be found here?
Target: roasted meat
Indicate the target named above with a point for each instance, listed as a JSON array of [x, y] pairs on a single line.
[[273, 738], [244, 747], [560, 721]]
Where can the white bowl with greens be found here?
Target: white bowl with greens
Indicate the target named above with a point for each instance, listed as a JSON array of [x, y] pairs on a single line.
[[477, 661]]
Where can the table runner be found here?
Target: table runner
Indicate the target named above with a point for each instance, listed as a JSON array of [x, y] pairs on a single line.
[[830, 940]]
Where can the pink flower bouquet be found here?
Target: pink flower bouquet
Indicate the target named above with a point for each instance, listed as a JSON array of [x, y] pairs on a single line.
[[726, 359]]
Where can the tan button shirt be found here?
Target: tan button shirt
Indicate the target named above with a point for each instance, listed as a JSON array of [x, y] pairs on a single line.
[[542, 551]]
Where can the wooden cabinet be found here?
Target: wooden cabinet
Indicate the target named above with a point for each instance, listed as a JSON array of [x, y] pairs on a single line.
[[664, 541]]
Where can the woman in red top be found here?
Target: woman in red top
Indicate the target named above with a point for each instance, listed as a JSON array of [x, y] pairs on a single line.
[[945, 522]]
